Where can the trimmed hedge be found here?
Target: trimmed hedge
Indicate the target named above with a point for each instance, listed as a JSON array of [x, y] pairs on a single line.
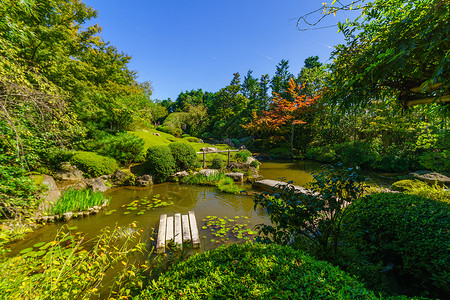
[[255, 271], [160, 162], [124, 147], [407, 232], [184, 155], [93, 164]]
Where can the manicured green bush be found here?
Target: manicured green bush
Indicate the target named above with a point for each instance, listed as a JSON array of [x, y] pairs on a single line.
[[358, 154], [324, 154], [192, 139], [217, 163], [93, 164], [280, 152], [160, 162], [53, 156], [124, 147], [184, 155], [408, 185], [255, 271], [420, 188], [242, 155], [411, 234]]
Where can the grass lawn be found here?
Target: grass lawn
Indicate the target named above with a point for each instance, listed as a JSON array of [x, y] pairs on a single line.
[[164, 139]]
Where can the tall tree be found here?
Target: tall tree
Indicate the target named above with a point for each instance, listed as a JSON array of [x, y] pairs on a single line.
[[283, 114], [398, 47], [251, 90], [280, 81]]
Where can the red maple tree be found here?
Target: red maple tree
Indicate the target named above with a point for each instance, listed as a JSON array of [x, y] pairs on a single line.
[[283, 113]]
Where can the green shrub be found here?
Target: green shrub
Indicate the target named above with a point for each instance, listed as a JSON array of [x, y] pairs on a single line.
[[255, 271], [409, 233], [163, 128], [76, 200], [184, 155], [217, 163], [324, 154], [18, 193], [392, 163], [93, 164], [358, 154], [311, 220], [227, 185], [124, 147], [223, 183], [280, 152], [242, 155], [254, 164], [437, 161], [420, 188], [55, 155], [408, 185], [160, 162], [192, 139]]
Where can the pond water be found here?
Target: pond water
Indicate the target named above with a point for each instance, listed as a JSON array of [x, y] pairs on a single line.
[[205, 201]]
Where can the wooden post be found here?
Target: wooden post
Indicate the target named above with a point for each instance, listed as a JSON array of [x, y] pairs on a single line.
[[169, 229], [204, 159], [229, 152], [178, 239], [186, 229], [194, 230], [161, 241]]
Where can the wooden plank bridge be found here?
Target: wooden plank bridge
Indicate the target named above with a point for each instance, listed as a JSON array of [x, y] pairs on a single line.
[[177, 229]]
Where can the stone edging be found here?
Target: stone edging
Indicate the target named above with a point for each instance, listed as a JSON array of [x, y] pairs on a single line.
[[69, 215]]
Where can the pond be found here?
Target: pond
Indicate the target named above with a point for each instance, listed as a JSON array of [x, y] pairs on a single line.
[[205, 201]]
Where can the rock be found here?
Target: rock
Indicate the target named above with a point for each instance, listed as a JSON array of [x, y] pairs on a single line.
[[251, 159], [178, 175], [271, 185], [240, 166], [215, 141], [67, 216], [236, 176], [50, 218], [200, 141], [96, 184], [51, 195], [253, 178], [208, 172], [44, 219], [155, 133], [68, 172], [144, 180], [121, 178], [228, 142], [432, 177], [209, 149]]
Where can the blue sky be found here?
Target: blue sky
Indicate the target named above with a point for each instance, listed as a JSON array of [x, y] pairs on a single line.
[[185, 45]]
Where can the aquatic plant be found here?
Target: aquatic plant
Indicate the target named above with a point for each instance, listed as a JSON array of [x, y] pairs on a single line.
[[76, 200], [224, 229], [142, 205]]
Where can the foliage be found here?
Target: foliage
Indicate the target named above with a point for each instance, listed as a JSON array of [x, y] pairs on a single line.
[[227, 185], [242, 155], [283, 113], [123, 147], [217, 163], [226, 228], [18, 193], [420, 188], [311, 218], [70, 267], [92, 164], [223, 183], [184, 155], [76, 200], [406, 233], [192, 139], [405, 36], [141, 205], [160, 162], [255, 271], [436, 160]]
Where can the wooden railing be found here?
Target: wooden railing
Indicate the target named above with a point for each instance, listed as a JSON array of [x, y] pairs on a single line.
[[219, 151]]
